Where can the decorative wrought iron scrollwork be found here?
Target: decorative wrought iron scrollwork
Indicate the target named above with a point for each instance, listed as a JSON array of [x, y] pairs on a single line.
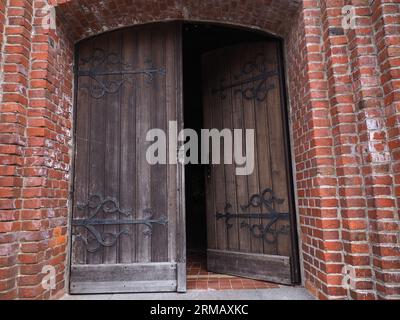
[[259, 87], [266, 232], [101, 64], [97, 239], [266, 197]]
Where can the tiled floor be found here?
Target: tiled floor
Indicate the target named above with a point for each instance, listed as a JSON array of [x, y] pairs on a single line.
[[198, 278]]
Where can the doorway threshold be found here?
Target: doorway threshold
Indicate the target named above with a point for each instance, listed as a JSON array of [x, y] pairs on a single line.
[[284, 293]]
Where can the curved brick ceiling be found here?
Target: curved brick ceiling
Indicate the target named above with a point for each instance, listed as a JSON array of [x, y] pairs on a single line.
[[88, 17]]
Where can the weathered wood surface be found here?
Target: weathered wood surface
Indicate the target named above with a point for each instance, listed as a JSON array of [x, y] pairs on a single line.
[[232, 67], [111, 147], [250, 265]]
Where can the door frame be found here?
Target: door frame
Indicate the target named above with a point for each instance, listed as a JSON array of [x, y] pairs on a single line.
[[289, 151], [181, 217]]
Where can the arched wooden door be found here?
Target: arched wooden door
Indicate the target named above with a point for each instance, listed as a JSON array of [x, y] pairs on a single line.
[[128, 219]]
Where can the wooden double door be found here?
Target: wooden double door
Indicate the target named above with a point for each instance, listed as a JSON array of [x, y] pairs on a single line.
[[128, 222]]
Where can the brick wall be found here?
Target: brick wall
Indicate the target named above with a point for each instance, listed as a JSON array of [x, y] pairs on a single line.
[[385, 239], [345, 169], [2, 22], [16, 48], [35, 139], [344, 114]]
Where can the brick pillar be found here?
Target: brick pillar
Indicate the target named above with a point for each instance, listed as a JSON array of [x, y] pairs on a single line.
[[370, 148], [385, 16], [345, 124], [35, 135], [13, 112], [2, 23], [314, 155], [47, 161], [350, 218]]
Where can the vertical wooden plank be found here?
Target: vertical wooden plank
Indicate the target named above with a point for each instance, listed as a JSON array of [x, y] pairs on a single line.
[[276, 133], [143, 120], [128, 150], [136, 65], [112, 115], [229, 169], [171, 101], [210, 81], [82, 127], [159, 245], [243, 235], [181, 218], [250, 122], [262, 147], [97, 148], [218, 169]]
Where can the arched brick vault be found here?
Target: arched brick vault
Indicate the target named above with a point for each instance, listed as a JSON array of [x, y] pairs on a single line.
[[91, 17], [344, 90]]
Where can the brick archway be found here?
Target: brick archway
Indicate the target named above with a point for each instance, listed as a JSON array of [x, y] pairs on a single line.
[[86, 18], [344, 117]]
